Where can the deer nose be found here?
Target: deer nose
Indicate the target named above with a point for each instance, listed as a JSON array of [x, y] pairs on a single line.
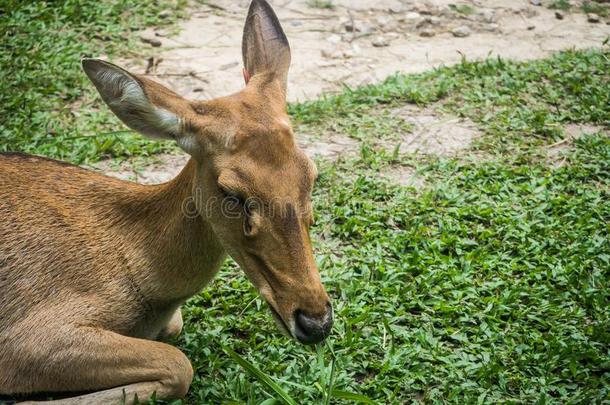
[[310, 330]]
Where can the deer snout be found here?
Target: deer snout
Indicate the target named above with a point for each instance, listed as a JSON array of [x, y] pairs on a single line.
[[312, 329]]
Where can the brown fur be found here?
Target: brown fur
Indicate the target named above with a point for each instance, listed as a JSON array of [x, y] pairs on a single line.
[[93, 270]]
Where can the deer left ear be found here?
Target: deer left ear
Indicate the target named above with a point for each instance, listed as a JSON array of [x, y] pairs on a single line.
[[265, 47]]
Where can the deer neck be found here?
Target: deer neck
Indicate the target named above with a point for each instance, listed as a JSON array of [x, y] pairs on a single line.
[[181, 252]]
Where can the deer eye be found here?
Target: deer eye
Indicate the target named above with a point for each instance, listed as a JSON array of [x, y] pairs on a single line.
[[228, 194]]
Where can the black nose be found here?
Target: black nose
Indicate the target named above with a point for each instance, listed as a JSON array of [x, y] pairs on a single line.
[[313, 329]]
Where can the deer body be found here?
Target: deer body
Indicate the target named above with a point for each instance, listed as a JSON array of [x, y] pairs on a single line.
[[93, 270], [139, 256]]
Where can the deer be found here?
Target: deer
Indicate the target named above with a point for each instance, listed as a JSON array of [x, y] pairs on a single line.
[[94, 270]]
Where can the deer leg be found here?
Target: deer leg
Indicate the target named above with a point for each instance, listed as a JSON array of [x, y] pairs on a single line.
[[173, 327], [87, 359]]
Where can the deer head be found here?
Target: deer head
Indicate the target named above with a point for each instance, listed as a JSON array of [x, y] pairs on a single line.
[[252, 181]]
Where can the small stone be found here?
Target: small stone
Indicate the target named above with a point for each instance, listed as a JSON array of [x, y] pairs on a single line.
[[165, 13], [396, 9], [559, 15], [150, 38], [412, 16], [383, 20], [332, 53], [434, 20], [531, 27], [354, 51], [358, 26], [350, 26], [447, 13], [536, 2], [488, 16], [593, 18], [492, 27], [197, 90], [334, 39], [426, 33], [461, 31], [380, 42]]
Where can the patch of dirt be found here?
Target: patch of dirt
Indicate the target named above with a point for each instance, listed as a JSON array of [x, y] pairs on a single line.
[[434, 133], [405, 176], [329, 146], [359, 41], [555, 153], [575, 131], [158, 169]]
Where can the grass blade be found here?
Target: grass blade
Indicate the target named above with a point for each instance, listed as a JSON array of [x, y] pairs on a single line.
[[350, 396], [331, 382], [270, 401], [261, 377]]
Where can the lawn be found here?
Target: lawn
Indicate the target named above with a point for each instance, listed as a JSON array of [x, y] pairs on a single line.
[[487, 283]]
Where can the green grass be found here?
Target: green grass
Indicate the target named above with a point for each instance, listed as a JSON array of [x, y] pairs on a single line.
[[586, 7], [596, 8], [323, 4], [563, 5], [490, 283], [46, 102], [464, 9]]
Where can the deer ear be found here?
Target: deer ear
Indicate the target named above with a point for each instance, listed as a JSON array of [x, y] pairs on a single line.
[[143, 105], [265, 48]]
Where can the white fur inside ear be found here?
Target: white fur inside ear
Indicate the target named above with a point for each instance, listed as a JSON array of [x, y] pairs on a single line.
[[127, 99], [188, 143]]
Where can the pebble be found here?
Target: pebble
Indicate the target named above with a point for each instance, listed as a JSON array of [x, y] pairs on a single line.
[[488, 16], [358, 26], [434, 20], [412, 16], [593, 18], [383, 20], [461, 31], [334, 39], [380, 42], [492, 27], [559, 15], [332, 54], [150, 38], [426, 33], [354, 51], [422, 8], [396, 9], [387, 24]]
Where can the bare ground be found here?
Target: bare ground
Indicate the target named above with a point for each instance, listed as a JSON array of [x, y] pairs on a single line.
[[355, 43]]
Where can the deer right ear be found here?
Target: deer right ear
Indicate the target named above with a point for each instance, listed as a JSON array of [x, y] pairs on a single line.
[[143, 105], [265, 48]]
